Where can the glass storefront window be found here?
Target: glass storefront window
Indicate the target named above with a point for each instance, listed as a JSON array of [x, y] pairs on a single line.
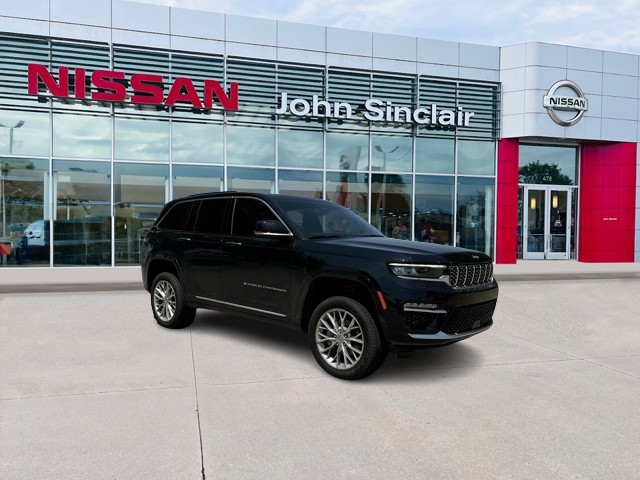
[[189, 180], [346, 151], [391, 154], [81, 136], [300, 148], [24, 228], [391, 204], [139, 193], [24, 133], [197, 142], [82, 215], [435, 155], [542, 164], [475, 214], [476, 158], [142, 138], [115, 164], [434, 209], [296, 182], [350, 190], [251, 146], [260, 180]]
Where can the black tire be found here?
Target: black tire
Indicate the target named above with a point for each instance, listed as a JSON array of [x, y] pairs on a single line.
[[344, 339], [168, 302]]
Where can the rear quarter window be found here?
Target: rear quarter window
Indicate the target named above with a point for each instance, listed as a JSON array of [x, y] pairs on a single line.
[[175, 218]]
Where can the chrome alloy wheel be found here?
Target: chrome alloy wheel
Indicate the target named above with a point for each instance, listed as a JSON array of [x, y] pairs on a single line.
[[339, 338], [164, 300]]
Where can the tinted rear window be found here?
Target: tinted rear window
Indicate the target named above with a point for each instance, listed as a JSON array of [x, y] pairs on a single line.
[[175, 218], [211, 215]]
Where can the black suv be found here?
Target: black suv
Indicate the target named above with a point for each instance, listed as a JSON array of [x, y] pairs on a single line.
[[316, 266]]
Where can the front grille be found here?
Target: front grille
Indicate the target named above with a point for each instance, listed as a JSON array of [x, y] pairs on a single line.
[[463, 319], [469, 275]]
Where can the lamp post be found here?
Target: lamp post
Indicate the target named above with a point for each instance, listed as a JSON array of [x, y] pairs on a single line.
[[4, 172], [384, 154], [17, 125], [383, 188]]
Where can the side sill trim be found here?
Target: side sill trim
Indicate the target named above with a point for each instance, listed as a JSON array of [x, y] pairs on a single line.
[[229, 304]]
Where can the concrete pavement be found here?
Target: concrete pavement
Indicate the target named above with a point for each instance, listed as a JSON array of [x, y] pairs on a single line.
[[91, 387]]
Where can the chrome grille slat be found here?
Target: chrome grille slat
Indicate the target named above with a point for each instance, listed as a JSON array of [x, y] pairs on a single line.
[[453, 275], [477, 269], [470, 275]]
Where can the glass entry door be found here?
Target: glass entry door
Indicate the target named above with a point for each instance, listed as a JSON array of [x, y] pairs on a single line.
[[547, 223]]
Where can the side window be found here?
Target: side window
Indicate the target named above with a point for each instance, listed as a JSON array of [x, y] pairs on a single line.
[[190, 226], [211, 216], [174, 219], [248, 211]]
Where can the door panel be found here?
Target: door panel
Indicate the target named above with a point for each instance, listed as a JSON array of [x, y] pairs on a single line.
[[559, 224], [201, 249], [257, 274], [256, 270], [547, 223], [535, 221]]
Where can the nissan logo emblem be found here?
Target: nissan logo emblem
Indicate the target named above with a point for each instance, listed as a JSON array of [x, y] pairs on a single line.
[[556, 104]]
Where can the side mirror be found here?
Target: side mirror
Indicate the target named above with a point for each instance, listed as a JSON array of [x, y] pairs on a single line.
[[271, 228]]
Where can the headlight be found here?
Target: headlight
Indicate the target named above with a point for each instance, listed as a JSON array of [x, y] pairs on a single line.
[[417, 271]]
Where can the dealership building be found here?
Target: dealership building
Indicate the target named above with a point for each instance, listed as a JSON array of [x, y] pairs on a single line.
[[110, 108]]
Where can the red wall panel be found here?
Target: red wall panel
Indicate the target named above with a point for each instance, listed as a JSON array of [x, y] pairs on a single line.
[[507, 201], [607, 202]]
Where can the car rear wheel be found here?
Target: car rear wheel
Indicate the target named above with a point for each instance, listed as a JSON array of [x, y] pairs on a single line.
[[344, 339], [168, 302]]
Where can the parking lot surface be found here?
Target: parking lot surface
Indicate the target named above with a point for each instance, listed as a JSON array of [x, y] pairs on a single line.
[[92, 387]]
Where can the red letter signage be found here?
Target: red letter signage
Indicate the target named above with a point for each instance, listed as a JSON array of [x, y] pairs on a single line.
[[190, 95], [37, 73], [212, 87], [111, 86], [109, 89], [147, 88]]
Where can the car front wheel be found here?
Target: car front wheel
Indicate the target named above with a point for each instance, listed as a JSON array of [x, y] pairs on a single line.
[[344, 339], [168, 302]]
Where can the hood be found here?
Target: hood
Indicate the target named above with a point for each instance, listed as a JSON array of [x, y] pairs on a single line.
[[389, 249]]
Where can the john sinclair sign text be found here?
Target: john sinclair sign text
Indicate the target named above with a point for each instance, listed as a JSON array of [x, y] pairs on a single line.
[[143, 88]]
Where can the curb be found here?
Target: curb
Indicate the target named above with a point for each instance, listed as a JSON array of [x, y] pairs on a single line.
[[71, 287], [538, 277]]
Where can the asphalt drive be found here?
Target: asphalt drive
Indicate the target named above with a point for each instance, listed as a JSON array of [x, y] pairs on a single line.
[[92, 387]]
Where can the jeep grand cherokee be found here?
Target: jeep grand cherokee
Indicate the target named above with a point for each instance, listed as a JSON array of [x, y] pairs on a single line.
[[316, 266]]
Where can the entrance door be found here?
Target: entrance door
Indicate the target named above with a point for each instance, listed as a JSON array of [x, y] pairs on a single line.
[[547, 223]]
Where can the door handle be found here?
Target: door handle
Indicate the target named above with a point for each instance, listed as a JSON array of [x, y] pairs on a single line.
[[184, 239], [236, 244]]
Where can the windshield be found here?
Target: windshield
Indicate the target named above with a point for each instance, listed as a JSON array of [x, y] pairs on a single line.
[[323, 219]]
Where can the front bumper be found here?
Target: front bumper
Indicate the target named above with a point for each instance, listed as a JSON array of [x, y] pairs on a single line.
[[430, 315], [444, 338]]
